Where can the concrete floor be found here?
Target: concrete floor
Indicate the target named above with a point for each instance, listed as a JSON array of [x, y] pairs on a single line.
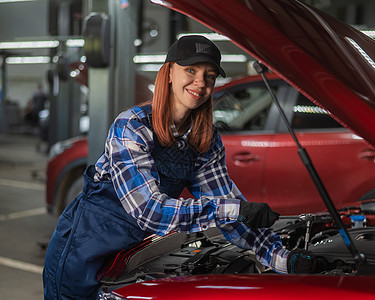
[[25, 226]]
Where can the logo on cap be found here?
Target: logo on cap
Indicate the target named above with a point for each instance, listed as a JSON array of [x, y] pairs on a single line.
[[202, 48]]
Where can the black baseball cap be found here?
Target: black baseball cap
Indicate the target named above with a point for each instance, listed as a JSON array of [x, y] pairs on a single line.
[[192, 49]]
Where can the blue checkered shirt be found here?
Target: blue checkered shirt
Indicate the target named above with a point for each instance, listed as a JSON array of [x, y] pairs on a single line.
[[128, 161]]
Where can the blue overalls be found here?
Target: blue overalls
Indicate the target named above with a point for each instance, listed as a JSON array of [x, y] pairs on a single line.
[[95, 225]]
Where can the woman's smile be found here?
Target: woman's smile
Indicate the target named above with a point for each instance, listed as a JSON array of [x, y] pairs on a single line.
[[195, 94]]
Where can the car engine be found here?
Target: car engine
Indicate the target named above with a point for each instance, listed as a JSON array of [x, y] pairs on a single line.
[[209, 252]]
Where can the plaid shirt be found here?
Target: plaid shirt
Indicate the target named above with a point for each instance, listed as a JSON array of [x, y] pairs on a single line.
[[128, 161]]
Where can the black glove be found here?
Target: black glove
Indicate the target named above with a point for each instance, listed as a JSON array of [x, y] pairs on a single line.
[[257, 215], [305, 262]]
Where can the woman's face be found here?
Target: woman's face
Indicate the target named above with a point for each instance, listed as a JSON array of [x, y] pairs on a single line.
[[191, 86]]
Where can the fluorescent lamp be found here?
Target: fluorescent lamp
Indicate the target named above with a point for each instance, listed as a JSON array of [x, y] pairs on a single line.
[[28, 60], [41, 44], [10, 1], [75, 43], [209, 35], [149, 67], [29, 44], [141, 59], [225, 58], [233, 58]]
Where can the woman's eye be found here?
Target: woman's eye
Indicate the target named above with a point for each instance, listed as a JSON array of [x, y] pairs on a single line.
[[211, 76], [190, 71]]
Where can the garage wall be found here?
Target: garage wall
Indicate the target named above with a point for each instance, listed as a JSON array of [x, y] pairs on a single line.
[[24, 21]]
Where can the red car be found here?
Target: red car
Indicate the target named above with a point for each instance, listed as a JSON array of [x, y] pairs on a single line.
[[260, 153], [330, 63], [66, 164]]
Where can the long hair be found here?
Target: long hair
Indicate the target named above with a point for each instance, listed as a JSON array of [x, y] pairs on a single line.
[[162, 109]]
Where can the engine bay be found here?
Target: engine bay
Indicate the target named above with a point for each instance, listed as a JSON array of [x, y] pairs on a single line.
[[209, 252]]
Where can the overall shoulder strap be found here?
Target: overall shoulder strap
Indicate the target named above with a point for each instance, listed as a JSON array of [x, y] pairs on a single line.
[[147, 110]]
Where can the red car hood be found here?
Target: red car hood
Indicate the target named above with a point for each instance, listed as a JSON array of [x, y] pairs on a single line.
[[291, 287], [327, 60]]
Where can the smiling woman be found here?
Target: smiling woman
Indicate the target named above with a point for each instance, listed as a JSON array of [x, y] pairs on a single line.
[[152, 152]]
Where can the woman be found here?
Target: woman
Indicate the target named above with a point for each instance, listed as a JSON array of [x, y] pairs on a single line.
[[151, 153]]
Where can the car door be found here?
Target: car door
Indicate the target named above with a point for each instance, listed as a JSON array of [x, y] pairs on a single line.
[[245, 116], [344, 161]]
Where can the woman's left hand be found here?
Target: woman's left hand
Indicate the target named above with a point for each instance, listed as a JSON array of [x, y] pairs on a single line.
[[257, 215]]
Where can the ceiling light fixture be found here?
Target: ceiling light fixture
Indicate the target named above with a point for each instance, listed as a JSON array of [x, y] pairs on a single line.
[[142, 59], [213, 36], [29, 44], [75, 43], [16, 60], [11, 1], [225, 58], [40, 44], [149, 67]]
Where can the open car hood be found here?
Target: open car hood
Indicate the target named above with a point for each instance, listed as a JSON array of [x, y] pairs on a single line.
[[330, 62]]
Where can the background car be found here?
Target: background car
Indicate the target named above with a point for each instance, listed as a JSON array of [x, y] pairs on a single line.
[[64, 174], [260, 153]]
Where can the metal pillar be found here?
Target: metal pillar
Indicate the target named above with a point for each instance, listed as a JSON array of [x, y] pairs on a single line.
[[65, 101], [2, 93], [4, 128], [123, 68], [112, 89]]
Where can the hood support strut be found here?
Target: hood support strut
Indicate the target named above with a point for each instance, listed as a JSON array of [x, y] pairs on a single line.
[[359, 258]]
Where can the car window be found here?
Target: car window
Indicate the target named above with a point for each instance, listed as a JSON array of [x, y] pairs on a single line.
[[307, 115], [242, 109]]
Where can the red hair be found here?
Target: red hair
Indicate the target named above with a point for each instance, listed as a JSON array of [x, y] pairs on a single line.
[[162, 109]]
